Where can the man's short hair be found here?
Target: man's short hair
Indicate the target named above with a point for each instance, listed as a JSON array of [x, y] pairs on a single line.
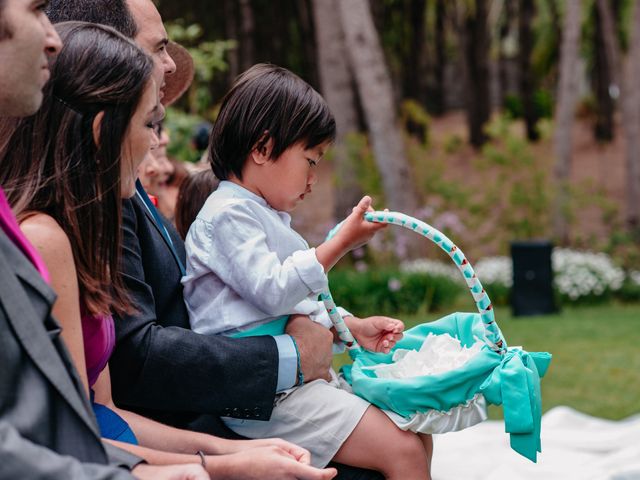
[[114, 13]]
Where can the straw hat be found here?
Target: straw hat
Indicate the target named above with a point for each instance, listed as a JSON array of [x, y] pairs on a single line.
[[178, 82]]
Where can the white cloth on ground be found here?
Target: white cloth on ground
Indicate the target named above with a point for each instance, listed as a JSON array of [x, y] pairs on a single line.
[[575, 446]]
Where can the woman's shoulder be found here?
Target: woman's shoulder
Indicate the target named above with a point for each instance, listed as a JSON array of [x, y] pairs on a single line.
[[45, 233]]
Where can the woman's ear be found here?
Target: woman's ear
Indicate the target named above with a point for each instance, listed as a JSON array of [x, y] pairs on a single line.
[[95, 126], [261, 152]]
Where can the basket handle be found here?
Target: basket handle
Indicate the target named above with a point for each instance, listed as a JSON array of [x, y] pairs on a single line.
[[493, 337]]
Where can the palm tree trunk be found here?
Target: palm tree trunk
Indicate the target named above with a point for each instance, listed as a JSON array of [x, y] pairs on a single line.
[[527, 75], [631, 115], [376, 94], [336, 84], [565, 111]]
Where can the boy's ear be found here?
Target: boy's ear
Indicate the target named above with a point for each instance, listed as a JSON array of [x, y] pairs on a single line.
[[261, 152]]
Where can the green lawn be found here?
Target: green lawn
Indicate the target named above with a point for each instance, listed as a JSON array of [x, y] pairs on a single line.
[[596, 356]]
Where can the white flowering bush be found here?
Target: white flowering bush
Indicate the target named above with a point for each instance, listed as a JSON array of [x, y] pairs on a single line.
[[495, 270], [577, 275], [584, 274], [495, 274], [431, 267]]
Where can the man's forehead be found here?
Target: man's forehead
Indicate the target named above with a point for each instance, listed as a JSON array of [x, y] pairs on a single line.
[[148, 21]]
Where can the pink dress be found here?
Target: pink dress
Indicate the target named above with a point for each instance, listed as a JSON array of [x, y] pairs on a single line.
[[99, 341]]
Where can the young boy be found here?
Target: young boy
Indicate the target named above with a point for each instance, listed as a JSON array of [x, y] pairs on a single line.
[[247, 270]]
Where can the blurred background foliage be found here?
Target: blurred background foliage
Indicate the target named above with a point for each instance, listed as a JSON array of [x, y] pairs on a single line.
[[481, 152]]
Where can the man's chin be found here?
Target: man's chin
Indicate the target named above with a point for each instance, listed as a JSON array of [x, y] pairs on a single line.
[[28, 106]]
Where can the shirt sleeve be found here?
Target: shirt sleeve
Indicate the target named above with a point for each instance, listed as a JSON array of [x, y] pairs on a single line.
[[288, 362], [234, 247]]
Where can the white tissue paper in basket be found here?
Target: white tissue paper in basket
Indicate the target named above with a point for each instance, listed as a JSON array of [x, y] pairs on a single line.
[[438, 354]]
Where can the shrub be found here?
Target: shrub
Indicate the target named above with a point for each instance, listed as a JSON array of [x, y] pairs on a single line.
[[392, 292], [585, 276], [579, 277], [495, 273]]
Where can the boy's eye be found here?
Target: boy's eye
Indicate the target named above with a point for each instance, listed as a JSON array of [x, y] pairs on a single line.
[[312, 163]]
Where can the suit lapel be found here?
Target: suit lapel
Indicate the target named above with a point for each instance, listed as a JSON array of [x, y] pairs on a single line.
[[32, 332], [159, 228]]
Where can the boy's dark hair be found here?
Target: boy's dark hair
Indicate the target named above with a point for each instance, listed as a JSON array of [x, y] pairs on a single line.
[[114, 13], [267, 102]]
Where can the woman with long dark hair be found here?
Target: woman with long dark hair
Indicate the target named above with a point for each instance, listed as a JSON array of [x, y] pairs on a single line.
[[95, 126]]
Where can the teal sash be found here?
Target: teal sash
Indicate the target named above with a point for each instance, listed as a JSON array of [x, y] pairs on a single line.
[[272, 328]]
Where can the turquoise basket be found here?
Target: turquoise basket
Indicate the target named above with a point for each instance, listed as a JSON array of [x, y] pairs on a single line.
[[502, 375]]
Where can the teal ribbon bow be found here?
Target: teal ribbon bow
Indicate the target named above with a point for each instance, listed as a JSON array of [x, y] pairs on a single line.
[[515, 384]]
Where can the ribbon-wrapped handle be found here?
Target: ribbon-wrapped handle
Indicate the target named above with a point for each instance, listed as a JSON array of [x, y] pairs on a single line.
[[493, 336]]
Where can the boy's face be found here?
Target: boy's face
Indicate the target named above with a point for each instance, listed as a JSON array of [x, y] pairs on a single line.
[[26, 39], [285, 181]]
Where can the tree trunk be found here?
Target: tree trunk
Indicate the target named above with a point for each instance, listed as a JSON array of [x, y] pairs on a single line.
[[414, 71], [610, 41], [231, 32], [601, 81], [475, 43], [336, 84], [631, 116], [527, 75], [247, 30], [309, 45], [565, 111], [509, 16], [376, 95], [438, 103]]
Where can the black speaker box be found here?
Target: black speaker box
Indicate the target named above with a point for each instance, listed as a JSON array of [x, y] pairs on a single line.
[[532, 292]]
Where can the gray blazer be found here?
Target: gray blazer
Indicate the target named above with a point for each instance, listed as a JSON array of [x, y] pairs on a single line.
[[47, 428]]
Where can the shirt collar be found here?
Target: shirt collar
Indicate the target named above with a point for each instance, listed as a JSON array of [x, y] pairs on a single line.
[[239, 191]]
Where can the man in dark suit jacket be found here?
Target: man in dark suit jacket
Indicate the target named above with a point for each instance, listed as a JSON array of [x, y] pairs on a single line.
[[47, 427]]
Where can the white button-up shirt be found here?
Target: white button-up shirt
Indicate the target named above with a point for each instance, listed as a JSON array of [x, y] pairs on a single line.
[[246, 266]]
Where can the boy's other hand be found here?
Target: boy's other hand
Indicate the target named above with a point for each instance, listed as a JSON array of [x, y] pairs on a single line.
[[376, 333]]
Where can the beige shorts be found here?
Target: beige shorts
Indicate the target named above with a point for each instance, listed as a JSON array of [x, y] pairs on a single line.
[[318, 416]]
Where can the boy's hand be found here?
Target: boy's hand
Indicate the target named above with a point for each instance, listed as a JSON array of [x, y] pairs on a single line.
[[377, 333], [356, 231]]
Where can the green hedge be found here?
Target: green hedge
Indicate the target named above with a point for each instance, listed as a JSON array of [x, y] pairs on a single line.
[[389, 292]]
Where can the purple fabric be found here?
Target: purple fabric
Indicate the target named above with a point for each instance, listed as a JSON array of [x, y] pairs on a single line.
[[10, 227], [99, 341]]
